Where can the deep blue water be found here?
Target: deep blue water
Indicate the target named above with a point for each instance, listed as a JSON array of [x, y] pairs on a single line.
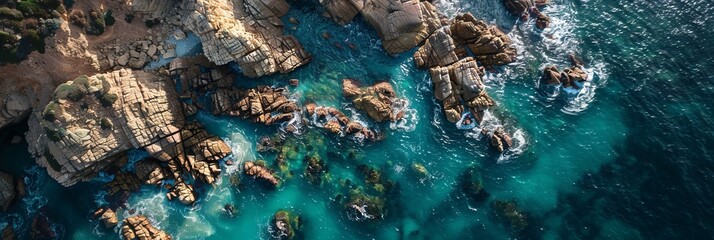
[[628, 159]]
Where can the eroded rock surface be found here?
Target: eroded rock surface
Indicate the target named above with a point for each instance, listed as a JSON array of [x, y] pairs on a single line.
[[376, 100], [458, 82], [336, 122], [139, 227], [263, 104], [401, 24], [258, 170], [92, 121], [249, 32]]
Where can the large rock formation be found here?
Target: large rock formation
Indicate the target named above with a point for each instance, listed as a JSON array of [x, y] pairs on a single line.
[[7, 190], [488, 44], [401, 24], [376, 100], [459, 82], [263, 104], [248, 32], [92, 121], [107, 216], [139, 228]]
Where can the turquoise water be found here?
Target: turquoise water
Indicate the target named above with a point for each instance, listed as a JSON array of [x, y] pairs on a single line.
[[626, 159]]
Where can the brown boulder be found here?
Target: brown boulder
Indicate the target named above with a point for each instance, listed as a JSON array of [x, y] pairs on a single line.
[[139, 228], [489, 44], [183, 192], [107, 216], [260, 171], [375, 100]]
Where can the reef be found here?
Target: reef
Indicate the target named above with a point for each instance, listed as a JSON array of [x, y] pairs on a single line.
[[285, 225], [376, 100]]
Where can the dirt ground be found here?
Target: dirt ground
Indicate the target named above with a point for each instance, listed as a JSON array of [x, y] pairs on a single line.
[[69, 53]]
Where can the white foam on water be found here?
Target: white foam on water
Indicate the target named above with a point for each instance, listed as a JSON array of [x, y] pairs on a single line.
[[195, 226], [150, 203], [34, 199], [407, 123], [241, 148]]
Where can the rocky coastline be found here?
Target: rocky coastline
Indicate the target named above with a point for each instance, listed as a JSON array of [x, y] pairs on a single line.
[[84, 124]]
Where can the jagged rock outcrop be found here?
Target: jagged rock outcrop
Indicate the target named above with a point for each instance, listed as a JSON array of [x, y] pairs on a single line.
[[183, 192], [7, 190], [139, 228], [458, 82], [258, 170], [336, 122], [500, 140], [190, 74], [249, 32], [123, 184], [438, 50], [568, 78], [489, 45], [149, 171], [376, 100], [261, 105], [401, 24], [107, 216], [41, 228], [92, 121], [135, 55]]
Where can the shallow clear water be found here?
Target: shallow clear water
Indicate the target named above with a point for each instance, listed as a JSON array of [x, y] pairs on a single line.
[[629, 159]]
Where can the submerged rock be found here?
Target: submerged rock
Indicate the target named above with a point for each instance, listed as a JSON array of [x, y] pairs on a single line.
[[420, 170], [514, 218], [139, 228], [471, 184], [499, 139], [284, 225], [361, 207], [41, 228], [258, 170], [315, 169]]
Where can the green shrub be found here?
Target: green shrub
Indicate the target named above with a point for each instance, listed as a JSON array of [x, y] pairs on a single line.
[[81, 80], [78, 18], [105, 124], [52, 134], [52, 161], [151, 23], [6, 38], [31, 9], [96, 23], [74, 92], [50, 112], [10, 13], [33, 37], [108, 18], [108, 99]]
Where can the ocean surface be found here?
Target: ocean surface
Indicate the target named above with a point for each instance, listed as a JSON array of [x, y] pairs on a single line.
[[626, 158]]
